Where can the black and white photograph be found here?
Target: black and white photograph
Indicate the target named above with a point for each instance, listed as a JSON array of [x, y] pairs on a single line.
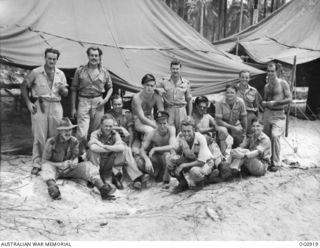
[[160, 120]]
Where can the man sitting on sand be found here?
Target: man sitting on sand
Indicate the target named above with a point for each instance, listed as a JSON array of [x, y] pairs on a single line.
[[254, 153], [60, 160], [108, 152]]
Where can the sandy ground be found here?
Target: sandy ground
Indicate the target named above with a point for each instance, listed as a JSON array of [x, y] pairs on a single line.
[[279, 206]]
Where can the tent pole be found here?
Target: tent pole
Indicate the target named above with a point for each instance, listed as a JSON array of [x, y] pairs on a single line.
[[237, 46], [293, 79]]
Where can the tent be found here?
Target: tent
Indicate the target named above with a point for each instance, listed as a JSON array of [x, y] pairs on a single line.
[[294, 29], [136, 36]]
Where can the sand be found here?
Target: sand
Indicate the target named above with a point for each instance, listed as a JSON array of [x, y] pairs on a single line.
[[279, 206]]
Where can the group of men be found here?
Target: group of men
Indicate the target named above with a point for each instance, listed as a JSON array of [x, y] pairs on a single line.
[[163, 136]]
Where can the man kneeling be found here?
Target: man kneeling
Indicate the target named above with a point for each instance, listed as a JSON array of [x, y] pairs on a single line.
[[60, 160], [254, 153], [194, 161]]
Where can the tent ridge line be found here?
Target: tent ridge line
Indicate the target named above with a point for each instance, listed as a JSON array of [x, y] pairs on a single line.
[[313, 50], [106, 45]]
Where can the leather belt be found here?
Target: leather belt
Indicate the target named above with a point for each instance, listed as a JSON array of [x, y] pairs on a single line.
[[34, 99], [275, 109], [92, 96]]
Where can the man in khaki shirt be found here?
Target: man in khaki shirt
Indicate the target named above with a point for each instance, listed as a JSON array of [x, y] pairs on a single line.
[[47, 84], [88, 86], [254, 153], [176, 95], [60, 160]]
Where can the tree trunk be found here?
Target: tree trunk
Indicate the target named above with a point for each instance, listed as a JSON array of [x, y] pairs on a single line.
[[225, 12], [241, 14], [273, 7], [181, 8]]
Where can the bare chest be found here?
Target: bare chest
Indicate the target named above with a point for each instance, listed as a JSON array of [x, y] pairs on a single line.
[[274, 92]]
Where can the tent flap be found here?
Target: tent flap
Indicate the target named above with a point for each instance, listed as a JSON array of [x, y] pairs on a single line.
[[292, 30]]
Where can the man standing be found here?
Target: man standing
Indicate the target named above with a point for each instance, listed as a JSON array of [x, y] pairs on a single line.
[[250, 96], [107, 151], [194, 161], [47, 84], [89, 85], [60, 160], [276, 96], [176, 96], [143, 104], [159, 143]]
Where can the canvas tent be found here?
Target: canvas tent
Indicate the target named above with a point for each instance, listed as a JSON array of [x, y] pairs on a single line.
[[136, 36], [292, 30]]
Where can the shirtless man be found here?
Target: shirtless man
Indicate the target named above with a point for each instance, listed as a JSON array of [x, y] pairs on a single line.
[[143, 103], [161, 141], [276, 96], [207, 126]]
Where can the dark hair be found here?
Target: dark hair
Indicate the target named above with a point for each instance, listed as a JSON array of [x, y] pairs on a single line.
[[276, 65], [106, 117], [257, 120], [94, 49], [51, 50], [232, 86], [244, 71], [201, 99], [175, 62], [115, 97], [147, 78], [189, 122]]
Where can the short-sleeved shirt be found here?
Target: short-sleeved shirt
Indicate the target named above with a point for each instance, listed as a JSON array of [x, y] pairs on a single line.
[[112, 139], [198, 151], [57, 151], [175, 94], [87, 86], [124, 120], [39, 82], [228, 114], [250, 96], [262, 144]]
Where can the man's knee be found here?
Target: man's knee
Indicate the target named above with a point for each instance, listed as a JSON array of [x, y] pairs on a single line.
[[140, 162], [196, 174], [225, 170], [255, 167], [276, 133], [92, 171], [222, 133]]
